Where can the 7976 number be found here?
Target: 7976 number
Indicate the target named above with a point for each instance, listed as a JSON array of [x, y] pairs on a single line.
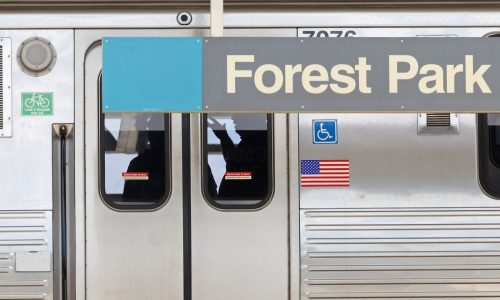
[[331, 33]]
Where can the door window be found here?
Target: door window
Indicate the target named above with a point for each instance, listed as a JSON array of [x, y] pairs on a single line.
[[489, 153], [238, 160], [134, 159]]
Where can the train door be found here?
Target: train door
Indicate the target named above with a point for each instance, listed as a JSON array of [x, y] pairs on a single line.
[[239, 198], [168, 216], [133, 185], [239, 206]]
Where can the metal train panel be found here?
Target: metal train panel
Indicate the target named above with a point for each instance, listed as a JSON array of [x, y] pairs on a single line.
[[417, 225], [29, 183], [413, 221], [390, 161], [26, 266], [30, 147]]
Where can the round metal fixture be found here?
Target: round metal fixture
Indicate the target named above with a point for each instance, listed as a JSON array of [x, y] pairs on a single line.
[[36, 56], [184, 18]]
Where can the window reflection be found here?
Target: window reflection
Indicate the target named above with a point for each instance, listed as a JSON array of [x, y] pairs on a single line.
[[494, 133], [237, 156], [134, 158], [489, 153]]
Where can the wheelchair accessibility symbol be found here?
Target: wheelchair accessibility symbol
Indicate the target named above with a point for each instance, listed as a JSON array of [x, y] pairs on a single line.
[[325, 132]]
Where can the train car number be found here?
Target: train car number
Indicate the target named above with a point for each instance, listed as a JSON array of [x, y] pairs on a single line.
[[326, 32]]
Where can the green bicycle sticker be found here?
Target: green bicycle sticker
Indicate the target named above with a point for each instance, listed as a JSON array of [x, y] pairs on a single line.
[[37, 104]]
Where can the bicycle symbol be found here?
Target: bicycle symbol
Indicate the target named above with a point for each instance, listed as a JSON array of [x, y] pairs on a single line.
[[325, 131], [38, 100], [323, 134]]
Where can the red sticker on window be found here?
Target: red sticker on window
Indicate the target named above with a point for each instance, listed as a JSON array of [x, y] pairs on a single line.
[[135, 175], [238, 175]]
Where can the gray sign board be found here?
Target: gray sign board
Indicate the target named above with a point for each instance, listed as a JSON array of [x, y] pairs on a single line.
[[351, 75]]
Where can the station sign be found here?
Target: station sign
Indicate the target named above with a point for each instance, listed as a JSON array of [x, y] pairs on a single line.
[[301, 74]]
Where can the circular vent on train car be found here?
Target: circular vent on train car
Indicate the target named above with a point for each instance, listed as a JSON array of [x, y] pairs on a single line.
[[36, 56]]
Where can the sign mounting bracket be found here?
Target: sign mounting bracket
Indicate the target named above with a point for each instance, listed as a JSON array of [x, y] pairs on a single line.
[[216, 18]]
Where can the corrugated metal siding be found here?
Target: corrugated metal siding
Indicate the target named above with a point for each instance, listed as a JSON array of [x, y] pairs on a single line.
[[24, 231], [400, 254]]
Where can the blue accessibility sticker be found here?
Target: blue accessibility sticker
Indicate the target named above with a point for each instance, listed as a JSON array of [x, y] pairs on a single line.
[[325, 132]]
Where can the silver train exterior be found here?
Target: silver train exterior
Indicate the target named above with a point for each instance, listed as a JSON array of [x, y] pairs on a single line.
[[415, 222]]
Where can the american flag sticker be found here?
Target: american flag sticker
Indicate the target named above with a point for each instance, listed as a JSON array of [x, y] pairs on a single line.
[[324, 173]]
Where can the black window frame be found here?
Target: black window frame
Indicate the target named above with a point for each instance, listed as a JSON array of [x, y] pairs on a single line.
[[489, 170], [204, 171], [111, 199]]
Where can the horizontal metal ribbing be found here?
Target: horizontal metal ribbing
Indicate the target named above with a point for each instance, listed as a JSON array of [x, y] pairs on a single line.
[[23, 283], [417, 240], [395, 254], [23, 296], [28, 215], [27, 242], [23, 229], [403, 212], [400, 227], [404, 267], [400, 281], [396, 296]]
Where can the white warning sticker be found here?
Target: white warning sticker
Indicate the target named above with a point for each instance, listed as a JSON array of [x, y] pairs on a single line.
[[135, 175], [238, 176]]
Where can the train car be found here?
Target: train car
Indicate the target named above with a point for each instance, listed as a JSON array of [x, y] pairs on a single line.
[[97, 205]]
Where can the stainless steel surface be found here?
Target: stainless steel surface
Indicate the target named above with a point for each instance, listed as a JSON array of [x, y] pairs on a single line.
[[252, 244], [241, 254], [393, 160], [293, 215], [452, 127], [404, 127], [344, 19], [254, 4], [129, 255], [413, 223], [24, 232], [165, 224], [5, 93], [30, 146], [390, 162], [87, 41], [315, 18], [27, 156], [82, 43], [401, 253], [394, 31]]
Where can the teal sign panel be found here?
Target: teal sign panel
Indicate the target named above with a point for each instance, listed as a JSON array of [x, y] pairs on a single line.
[[152, 74]]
